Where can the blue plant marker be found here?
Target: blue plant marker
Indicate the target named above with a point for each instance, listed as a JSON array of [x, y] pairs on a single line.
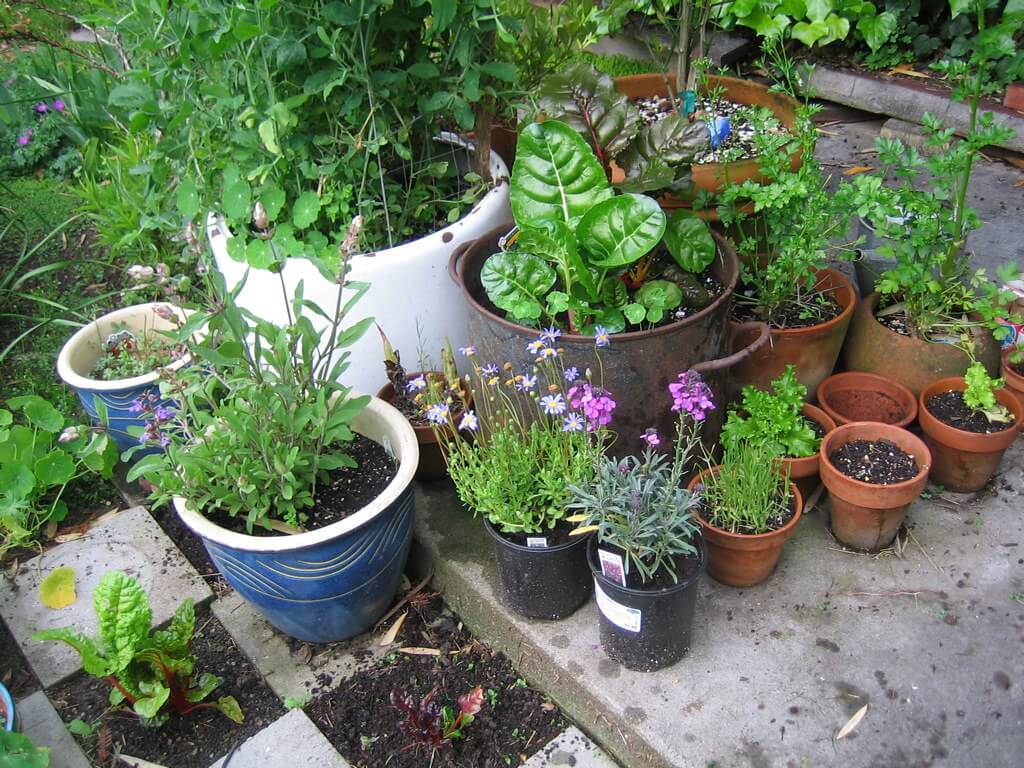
[[719, 128], [689, 99]]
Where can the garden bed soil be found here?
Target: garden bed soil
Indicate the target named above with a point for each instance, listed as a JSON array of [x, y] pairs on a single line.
[[15, 672], [348, 491], [189, 543], [950, 408], [813, 312], [514, 722], [879, 462], [196, 740]]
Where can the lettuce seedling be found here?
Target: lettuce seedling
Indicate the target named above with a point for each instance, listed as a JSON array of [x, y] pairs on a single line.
[[152, 670]]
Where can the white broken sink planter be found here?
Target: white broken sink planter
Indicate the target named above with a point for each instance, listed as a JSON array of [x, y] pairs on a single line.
[[409, 286]]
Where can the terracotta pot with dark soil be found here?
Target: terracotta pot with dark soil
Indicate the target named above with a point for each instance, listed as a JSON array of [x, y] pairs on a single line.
[[892, 466], [855, 396], [812, 349], [966, 447], [871, 347], [803, 471], [743, 560], [1013, 374]]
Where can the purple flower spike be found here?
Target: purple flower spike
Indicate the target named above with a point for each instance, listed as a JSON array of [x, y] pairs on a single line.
[[596, 403], [163, 414], [137, 407], [691, 395], [651, 437]]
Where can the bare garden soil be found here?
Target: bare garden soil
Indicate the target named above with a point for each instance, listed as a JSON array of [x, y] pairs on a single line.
[[950, 408], [514, 722], [15, 673], [815, 310], [879, 462]]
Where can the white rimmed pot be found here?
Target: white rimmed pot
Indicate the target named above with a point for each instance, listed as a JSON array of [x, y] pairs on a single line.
[[334, 582], [410, 295], [79, 354]]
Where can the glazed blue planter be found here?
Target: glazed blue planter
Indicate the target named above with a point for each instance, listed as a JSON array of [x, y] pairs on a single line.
[[78, 358], [8, 704], [334, 582]]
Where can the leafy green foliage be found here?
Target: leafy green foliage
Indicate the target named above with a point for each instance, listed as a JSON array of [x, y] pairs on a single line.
[[812, 22], [517, 283], [18, 751], [689, 240], [980, 395], [773, 418], [426, 723], [152, 670], [132, 357], [39, 458], [746, 493]]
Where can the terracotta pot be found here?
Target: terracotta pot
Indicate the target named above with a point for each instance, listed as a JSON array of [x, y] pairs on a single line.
[[856, 396], [1014, 381], [711, 177], [432, 464], [964, 461], [804, 471], [872, 348], [864, 515], [813, 350], [741, 560]]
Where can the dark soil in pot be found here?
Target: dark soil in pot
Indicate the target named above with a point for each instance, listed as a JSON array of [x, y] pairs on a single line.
[[196, 740], [950, 408], [686, 567], [862, 405], [879, 462], [813, 312], [15, 673], [348, 491], [515, 721], [775, 522]]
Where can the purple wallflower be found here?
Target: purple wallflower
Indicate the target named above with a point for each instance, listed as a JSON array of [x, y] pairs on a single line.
[[596, 403], [59, 105], [23, 140], [651, 437], [691, 395], [41, 107]]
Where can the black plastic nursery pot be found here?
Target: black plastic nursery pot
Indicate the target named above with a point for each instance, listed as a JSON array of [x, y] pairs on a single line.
[[645, 630], [543, 582]]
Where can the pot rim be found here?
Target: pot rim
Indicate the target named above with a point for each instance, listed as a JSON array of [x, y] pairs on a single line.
[[603, 581], [983, 441], [725, 251], [823, 420], [405, 446], [1007, 372], [828, 325], [784, 530], [920, 451], [831, 383], [424, 432], [76, 380], [10, 711], [497, 536]]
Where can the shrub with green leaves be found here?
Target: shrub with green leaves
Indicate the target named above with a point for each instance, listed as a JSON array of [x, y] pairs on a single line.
[[39, 456], [773, 418], [18, 751], [152, 670]]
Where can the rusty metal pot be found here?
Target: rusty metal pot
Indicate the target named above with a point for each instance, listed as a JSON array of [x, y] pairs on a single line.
[[638, 366]]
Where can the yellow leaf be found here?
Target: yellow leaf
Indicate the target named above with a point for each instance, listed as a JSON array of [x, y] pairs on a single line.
[[58, 589], [577, 518], [858, 169], [909, 72], [1019, 183], [852, 723], [389, 636], [413, 650], [584, 529]]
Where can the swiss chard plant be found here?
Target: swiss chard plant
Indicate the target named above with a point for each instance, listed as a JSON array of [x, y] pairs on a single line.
[[428, 723], [152, 671], [773, 418], [584, 249]]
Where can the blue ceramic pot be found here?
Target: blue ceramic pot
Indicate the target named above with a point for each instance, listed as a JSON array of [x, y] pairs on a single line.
[[10, 714], [334, 582], [78, 358]]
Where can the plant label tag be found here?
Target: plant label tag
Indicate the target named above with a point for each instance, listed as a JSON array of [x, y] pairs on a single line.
[[537, 542], [612, 567], [618, 614]]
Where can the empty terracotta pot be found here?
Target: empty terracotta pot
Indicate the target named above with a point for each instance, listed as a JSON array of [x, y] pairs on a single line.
[[856, 396], [741, 560], [1014, 381], [813, 350], [804, 471], [865, 515], [964, 461]]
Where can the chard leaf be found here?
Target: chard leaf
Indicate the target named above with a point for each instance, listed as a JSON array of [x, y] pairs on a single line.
[[517, 282], [620, 230], [689, 240], [124, 617], [92, 661], [174, 641], [674, 141]]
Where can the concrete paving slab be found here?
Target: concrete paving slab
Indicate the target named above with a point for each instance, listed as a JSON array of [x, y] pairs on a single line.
[[291, 740], [290, 668], [41, 723], [930, 641], [130, 541], [572, 747]]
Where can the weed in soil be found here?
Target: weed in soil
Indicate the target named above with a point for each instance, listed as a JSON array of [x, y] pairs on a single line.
[[950, 408], [879, 462], [196, 740], [514, 722]]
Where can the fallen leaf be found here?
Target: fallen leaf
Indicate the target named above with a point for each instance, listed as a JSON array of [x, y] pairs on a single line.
[[51, 529], [413, 650], [858, 169], [57, 590], [547, 706], [1017, 161], [852, 723], [1019, 183], [65, 537], [389, 637], [303, 654], [909, 72]]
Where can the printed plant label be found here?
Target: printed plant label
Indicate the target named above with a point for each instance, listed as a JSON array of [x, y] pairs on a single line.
[[618, 614], [537, 542], [612, 566]]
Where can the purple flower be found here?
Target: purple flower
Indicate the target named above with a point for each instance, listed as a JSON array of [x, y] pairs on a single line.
[[58, 105], [601, 336], [553, 405], [23, 139], [41, 107], [573, 423], [548, 352], [437, 413], [416, 385], [571, 374], [550, 334], [163, 414], [650, 436], [469, 421], [535, 347], [137, 406], [490, 370], [596, 403], [467, 351], [691, 395], [164, 441], [526, 382]]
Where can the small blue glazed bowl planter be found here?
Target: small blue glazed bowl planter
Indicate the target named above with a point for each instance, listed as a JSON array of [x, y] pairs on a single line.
[[9, 714], [334, 582], [78, 358]]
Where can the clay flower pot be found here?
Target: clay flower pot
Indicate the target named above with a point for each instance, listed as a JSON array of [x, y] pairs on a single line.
[[804, 471], [1014, 381], [813, 350], [857, 396], [865, 515], [964, 461], [872, 348], [742, 560]]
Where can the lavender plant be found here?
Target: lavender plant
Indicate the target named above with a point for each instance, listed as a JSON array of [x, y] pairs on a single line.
[[638, 504], [532, 434]]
